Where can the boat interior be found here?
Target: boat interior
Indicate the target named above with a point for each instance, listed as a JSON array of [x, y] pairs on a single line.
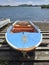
[[23, 26]]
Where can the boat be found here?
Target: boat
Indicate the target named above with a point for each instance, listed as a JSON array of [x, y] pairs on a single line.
[[23, 26], [4, 22], [23, 36]]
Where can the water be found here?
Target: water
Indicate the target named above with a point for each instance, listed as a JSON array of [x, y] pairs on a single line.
[[24, 13]]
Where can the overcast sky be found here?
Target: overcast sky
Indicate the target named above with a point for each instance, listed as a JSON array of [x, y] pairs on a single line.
[[18, 2]]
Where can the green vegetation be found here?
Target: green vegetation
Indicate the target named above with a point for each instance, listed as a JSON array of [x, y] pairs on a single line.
[[44, 6], [5, 6], [24, 5]]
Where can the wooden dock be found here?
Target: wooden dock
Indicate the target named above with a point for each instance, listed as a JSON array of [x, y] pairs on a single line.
[[40, 56]]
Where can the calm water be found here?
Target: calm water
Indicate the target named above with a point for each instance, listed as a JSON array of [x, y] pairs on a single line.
[[24, 13]]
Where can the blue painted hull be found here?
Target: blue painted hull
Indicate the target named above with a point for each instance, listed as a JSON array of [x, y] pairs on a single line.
[[16, 41]]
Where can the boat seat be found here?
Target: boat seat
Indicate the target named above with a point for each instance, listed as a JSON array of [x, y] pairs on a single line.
[[15, 30], [19, 26]]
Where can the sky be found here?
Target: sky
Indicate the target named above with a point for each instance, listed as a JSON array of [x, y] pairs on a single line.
[[19, 2]]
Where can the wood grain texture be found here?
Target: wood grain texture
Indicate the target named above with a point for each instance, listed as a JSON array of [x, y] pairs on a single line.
[[40, 56]]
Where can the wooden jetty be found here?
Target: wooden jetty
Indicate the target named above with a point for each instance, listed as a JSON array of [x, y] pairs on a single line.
[[40, 56]]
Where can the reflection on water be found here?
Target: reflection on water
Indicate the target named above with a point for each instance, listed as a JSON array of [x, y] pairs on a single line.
[[24, 13]]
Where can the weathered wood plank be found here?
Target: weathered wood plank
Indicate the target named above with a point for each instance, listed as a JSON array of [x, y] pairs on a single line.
[[41, 55], [44, 26], [3, 31], [45, 41], [4, 47], [2, 37], [14, 55], [42, 48], [1, 40], [46, 37], [29, 63], [44, 31], [2, 34], [41, 63]]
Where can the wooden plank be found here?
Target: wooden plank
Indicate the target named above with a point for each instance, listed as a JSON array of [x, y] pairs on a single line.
[[45, 41], [46, 37], [2, 30], [5, 45], [41, 63], [5, 48], [38, 48], [1, 40], [14, 55], [45, 33], [42, 33], [42, 48], [41, 55], [5, 55], [43, 26], [23, 63], [2, 33], [2, 37]]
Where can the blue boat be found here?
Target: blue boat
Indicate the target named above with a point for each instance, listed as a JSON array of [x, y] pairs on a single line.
[[23, 36]]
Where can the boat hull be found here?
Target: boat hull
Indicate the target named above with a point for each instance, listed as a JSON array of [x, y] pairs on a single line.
[[23, 40]]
